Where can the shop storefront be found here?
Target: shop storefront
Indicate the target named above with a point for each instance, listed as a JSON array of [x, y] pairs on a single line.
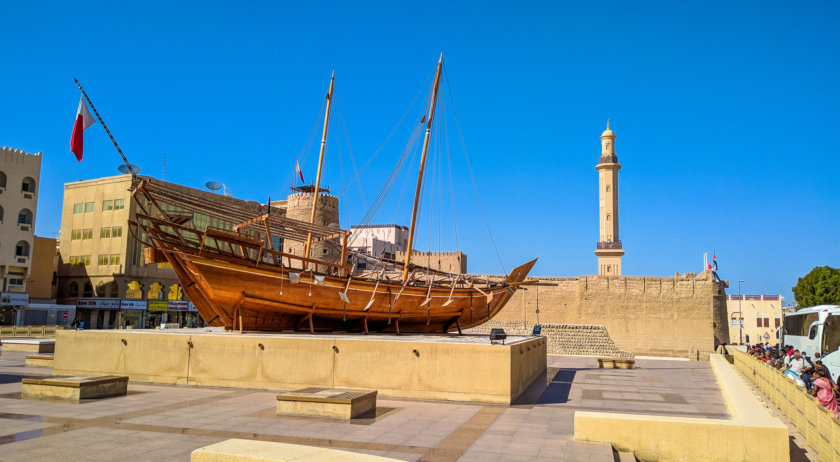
[[98, 313], [132, 314], [10, 305], [158, 313]]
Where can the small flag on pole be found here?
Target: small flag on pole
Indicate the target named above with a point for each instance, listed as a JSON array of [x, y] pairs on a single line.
[[298, 171], [714, 260], [83, 121]]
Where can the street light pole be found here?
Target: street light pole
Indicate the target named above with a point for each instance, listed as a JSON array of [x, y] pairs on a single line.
[[741, 324]]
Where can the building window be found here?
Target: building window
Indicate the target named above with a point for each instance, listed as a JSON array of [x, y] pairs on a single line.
[[115, 259], [107, 205], [119, 204], [88, 292], [89, 207], [87, 234], [103, 260], [105, 233], [15, 282], [25, 217], [76, 235], [28, 185], [74, 288], [1, 214], [758, 322], [116, 231], [78, 208], [778, 322], [22, 249], [2, 179], [80, 260], [766, 322]]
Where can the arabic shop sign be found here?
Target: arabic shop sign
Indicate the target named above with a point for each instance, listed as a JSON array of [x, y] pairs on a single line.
[[158, 305], [13, 299], [98, 303], [133, 304]]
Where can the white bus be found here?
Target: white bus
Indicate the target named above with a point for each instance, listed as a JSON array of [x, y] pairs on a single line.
[[816, 329]]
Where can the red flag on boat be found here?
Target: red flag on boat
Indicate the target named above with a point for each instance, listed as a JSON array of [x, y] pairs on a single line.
[[83, 121], [299, 171]]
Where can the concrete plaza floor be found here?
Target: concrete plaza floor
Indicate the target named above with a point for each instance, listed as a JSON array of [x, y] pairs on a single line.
[[163, 422]]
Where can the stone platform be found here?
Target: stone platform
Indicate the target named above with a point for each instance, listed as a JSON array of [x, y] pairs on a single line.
[[73, 387], [444, 367], [327, 402], [39, 360], [29, 345]]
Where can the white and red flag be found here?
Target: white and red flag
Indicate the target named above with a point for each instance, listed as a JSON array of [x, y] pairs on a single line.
[[83, 121], [299, 172]]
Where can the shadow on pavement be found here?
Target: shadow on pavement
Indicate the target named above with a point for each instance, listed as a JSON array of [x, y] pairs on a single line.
[[553, 388]]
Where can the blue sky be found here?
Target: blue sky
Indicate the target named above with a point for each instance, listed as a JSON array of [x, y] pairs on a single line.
[[726, 116]]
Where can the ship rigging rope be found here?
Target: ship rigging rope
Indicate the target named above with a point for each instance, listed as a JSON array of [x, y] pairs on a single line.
[[407, 110], [469, 167], [306, 149], [341, 171], [405, 184], [451, 184], [352, 157]]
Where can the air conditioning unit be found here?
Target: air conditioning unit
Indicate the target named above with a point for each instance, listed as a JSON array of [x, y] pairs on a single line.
[[24, 227], [21, 259], [27, 195]]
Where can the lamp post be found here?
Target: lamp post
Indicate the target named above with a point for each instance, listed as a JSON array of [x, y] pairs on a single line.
[[741, 325]]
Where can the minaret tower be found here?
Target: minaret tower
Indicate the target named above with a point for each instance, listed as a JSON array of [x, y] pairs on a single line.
[[608, 249]]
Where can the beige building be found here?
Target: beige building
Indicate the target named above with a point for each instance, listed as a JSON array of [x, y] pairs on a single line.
[[754, 318], [20, 174], [43, 277], [101, 269], [608, 249]]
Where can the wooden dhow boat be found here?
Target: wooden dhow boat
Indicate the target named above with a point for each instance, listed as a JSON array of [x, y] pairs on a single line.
[[237, 279]]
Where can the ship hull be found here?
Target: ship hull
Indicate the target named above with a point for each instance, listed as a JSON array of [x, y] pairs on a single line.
[[244, 296]]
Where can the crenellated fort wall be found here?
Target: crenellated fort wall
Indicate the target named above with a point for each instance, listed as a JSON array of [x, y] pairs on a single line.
[[663, 316]]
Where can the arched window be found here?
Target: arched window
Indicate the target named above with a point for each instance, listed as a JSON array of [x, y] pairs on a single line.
[[22, 249], [88, 292], [28, 185], [101, 289], [25, 217], [1, 214], [74, 289], [114, 290], [2, 179]]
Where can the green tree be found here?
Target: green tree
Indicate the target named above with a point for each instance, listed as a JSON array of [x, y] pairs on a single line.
[[819, 287]]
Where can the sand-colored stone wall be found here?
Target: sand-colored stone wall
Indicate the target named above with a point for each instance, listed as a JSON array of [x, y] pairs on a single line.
[[663, 316], [450, 262]]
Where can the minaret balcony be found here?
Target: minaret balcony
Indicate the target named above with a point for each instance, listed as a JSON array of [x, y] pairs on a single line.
[[608, 159], [609, 245]]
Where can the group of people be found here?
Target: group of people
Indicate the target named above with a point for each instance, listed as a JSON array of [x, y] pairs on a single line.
[[797, 364]]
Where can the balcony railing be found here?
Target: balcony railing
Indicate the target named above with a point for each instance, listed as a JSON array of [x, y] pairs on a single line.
[[609, 245], [613, 159]]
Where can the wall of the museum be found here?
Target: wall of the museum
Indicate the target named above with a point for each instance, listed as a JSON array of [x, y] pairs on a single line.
[[663, 316]]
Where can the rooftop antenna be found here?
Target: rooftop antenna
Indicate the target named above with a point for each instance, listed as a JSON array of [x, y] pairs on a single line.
[[164, 166], [213, 185], [227, 193]]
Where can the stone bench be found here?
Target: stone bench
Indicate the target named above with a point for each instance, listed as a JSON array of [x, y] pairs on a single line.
[[74, 387], [238, 450], [29, 345], [39, 360], [327, 402], [616, 363]]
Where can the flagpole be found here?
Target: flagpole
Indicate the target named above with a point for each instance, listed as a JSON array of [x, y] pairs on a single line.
[[130, 169]]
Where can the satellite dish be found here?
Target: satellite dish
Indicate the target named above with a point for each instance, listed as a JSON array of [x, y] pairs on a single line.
[[213, 185], [129, 168]]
